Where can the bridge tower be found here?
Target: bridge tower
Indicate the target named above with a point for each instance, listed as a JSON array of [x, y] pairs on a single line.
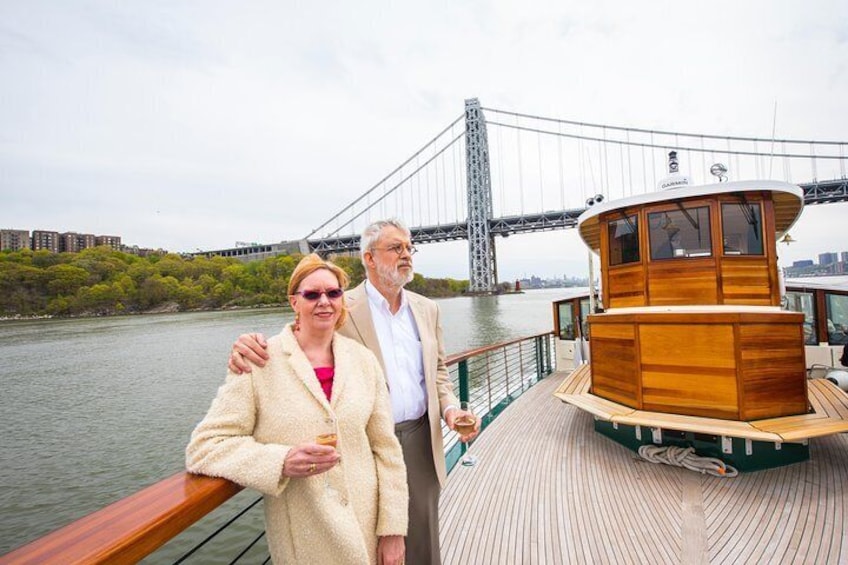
[[483, 273]]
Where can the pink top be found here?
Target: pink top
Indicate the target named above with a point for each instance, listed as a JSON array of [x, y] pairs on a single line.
[[325, 377]]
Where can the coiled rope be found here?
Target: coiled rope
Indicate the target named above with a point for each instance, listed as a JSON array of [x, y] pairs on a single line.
[[686, 457]]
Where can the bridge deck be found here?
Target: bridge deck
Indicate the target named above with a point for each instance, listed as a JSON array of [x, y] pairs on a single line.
[[548, 489]]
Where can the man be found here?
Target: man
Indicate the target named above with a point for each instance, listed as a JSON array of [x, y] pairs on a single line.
[[404, 332]]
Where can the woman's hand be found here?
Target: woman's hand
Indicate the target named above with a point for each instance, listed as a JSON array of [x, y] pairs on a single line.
[[391, 550], [308, 459]]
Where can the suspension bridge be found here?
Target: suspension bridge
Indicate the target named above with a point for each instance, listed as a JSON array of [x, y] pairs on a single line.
[[494, 173]]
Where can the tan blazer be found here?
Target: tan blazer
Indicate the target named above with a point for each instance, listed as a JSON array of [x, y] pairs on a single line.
[[360, 326], [333, 517]]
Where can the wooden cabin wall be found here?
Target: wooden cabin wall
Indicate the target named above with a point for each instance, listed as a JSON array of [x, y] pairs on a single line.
[[731, 366], [625, 286], [772, 370], [746, 280], [683, 282], [689, 369], [615, 363]]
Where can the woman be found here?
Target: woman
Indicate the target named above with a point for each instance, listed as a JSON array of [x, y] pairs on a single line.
[[322, 504]]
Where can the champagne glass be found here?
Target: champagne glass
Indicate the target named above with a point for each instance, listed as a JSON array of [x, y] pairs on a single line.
[[328, 437], [464, 425]]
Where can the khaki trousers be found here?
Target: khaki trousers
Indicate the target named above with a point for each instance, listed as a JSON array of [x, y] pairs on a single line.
[[422, 540]]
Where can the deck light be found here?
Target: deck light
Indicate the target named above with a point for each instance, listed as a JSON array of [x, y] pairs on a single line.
[[720, 171], [597, 199]]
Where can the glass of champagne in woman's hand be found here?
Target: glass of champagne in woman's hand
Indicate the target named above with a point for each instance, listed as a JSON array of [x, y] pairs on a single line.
[[330, 438], [464, 426]]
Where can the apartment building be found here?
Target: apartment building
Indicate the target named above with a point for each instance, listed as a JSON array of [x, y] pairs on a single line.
[[14, 240], [43, 239], [73, 242], [56, 242], [113, 241]]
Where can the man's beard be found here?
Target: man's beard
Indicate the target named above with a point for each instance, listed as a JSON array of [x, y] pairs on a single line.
[[392, 277]]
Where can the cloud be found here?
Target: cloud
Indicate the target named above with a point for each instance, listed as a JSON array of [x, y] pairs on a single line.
[[197, 124]]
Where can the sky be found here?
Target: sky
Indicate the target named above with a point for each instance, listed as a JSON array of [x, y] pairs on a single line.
[[192, 125]]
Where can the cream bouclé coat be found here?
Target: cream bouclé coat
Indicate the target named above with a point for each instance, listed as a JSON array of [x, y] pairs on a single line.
[[334, 517]]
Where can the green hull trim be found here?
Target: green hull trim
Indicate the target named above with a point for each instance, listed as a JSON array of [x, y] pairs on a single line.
[[744, 455]]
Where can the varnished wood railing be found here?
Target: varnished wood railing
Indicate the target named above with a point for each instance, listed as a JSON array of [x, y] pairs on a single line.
[[130, 529]]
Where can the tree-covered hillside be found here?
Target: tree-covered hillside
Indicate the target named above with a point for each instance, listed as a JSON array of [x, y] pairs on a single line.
[[100, 281]]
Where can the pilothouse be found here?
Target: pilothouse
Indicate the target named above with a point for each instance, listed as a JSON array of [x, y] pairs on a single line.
[[692, 343]]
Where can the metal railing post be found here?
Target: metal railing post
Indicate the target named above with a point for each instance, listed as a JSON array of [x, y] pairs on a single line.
[[538, 352], [463, 382], [464, 394]]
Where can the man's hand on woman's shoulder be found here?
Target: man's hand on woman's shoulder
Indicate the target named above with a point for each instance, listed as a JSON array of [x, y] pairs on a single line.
[[247, 349]]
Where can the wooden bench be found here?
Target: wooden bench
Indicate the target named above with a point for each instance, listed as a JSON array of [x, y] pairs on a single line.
[[576, 382], [575, 390], [829, 416]]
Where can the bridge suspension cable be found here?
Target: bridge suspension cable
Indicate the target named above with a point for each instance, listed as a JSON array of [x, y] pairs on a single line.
[[656, 131], [677, 147], [574, 161], [382, 181]]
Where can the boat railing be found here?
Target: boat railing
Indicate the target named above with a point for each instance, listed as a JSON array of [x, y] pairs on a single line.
[[165, 518]]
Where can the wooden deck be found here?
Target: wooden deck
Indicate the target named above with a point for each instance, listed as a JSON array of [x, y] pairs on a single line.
[[548, 489]]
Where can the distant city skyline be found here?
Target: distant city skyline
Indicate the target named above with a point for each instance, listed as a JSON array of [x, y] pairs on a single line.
[[827, 263]]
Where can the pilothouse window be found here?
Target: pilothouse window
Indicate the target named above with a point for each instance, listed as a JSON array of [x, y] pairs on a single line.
[[681, 232], [742, 228], [624, 240]]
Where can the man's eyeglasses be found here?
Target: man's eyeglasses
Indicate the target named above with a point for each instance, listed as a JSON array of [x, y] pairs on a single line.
[[399, 249], [313, 295]]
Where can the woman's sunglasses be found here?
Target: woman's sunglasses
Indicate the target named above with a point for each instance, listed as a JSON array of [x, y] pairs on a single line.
[[313, 295]]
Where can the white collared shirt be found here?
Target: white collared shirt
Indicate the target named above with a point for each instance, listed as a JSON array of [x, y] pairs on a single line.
[[400, 345]]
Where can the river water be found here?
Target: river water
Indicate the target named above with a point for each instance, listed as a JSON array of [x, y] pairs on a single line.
[[95, 409]]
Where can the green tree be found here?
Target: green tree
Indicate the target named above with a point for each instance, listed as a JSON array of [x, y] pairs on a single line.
[[44, 259], [103, 281], [65, 279], [21, 289], [101, 298], [353, 267], [153, 291]]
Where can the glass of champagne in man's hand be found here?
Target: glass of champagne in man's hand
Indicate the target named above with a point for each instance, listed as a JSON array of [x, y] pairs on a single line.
[[464, 426]]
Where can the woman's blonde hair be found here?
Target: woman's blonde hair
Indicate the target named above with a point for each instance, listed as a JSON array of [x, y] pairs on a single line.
[[309, 265]]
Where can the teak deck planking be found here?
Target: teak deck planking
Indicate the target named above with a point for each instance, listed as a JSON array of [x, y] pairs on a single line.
[[548, 489]]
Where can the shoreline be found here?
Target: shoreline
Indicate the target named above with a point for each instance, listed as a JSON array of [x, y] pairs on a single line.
[[164, 309], [173, 307]]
